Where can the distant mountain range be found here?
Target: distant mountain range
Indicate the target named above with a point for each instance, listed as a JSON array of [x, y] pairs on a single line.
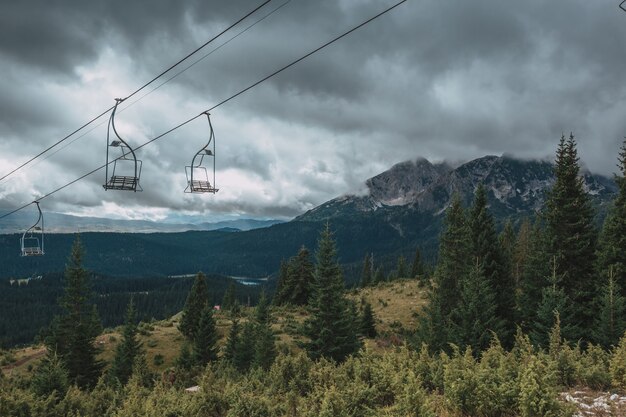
[[65, 223], [401, 210]]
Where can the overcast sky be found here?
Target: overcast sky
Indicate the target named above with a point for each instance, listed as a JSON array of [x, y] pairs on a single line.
[[446, 80]]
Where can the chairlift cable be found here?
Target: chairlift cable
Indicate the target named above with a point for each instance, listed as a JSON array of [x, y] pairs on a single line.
[[215, 106], [135, 92]]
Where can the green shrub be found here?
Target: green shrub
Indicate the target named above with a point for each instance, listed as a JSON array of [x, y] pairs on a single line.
[[618, 365], [460, 383], [594, 368], [538, 395], [158, 360]]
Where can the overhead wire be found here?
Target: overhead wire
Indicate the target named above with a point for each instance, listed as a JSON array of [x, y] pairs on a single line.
[[203, 57], [136, 91], [218, 104]]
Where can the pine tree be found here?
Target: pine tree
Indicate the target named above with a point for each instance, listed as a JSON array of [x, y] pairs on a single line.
[[475, 319], [487, 250], [554, 301], [185, 359], [520, 254], [610, 322], [417, 269], [612, 245], [300, 278], [265, 344], [50, 377], [72, 335], [205, 341], [379, 276], [454, 257], [401, 270], [366, 275], [128, 349], [571, 233], [368, 321], [232, 341], [196, 301], [244, 352], [281, 282], [230, 297], [331, 325], [533, 276]]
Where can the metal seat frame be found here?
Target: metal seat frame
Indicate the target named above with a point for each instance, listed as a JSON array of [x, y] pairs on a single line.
[[29, 242], [197, 175], [121, 182]]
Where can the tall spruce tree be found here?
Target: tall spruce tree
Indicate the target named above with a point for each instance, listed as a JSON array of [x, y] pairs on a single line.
[[571, 233], [196, 301], [245, 350], [331, 326], [281, 284], [205, 340], [368, 272], [487, 250], [534, 273], [417, 268], [612, 245], [368, 321], [265, 345], [72, 335], [507, 241], [475, 318], [232, 341], [230, 297], [50, 376], [300, 278], [454, 257], [401, 269], [610, 322], [379, 275], [128, 349]]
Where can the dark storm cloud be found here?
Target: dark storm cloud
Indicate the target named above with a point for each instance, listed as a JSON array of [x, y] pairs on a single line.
[[445, 80]]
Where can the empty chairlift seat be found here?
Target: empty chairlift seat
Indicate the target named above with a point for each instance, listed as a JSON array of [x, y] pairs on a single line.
[[197, 174], [32, 241]]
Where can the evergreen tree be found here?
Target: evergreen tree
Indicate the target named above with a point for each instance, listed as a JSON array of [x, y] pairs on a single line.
[[417, 269], [230, 297], [475, 317], [128, 349], [554, 301], [610, 322], [264, 348], [368, 321], [612, 245], [205, 341], [50, 377], [72, 335], [379, 276], [281, 284], [300, 278], [232, 341], [401, 269], [520, 253], [454, 257], [571, 233], [185, 359], [432, 328], [487, 250], [533, 275], [244, 352], [196, 301], [367, 274], [331, 325]]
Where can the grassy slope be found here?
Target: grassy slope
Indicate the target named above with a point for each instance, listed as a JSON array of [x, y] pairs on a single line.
[[394, 305]]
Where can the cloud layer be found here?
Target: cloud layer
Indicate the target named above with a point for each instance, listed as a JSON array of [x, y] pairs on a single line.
[[442, 80]]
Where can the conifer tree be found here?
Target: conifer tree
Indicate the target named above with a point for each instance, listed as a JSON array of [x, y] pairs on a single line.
[[331, 326], [196, 301], [368, 321], [230, 297], [521, 252], [300, 278], [432, 329], [72, 335], [610, 322], [475, 319], [232, 341], [244, 352], [367, 274], [281, 282], [454, 257], [534, 273], [185, 359], [128, 349], [612, 245], [205, 341], [265, 345], [571, 233], [487, 250], [554, 302], [417, 268], [379, 276], [50, 376], [401, 269]]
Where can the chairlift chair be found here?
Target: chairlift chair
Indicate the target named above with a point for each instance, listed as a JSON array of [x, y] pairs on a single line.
[[126, 168], [621, 5], [197, 174], [32, 241]]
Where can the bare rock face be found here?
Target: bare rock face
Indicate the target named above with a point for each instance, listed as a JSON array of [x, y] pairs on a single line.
[[513, 186]]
